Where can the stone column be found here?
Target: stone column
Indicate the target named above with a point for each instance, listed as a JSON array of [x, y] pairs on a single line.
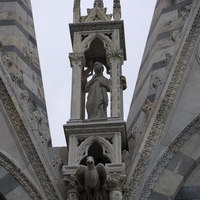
[[77, 11], [115, 60], [77, 63], [71, 188], [116, 187]]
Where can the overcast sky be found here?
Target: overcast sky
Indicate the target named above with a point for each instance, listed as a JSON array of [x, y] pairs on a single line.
[[51, 19]]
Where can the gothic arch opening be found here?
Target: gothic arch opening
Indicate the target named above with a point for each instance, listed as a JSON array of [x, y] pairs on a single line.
[[95, 53], [95, 150]]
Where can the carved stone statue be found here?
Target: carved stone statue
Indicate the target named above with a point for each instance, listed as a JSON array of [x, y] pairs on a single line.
[[97, 88], [92, 178]]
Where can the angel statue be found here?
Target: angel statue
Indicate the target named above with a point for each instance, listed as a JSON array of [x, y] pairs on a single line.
[[92, 179]]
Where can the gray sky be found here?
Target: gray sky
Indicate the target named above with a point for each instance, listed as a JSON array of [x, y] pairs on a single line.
[[52, 31]]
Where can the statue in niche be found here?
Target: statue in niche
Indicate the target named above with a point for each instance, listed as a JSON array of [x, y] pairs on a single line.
[[97, 88], [92, 178]]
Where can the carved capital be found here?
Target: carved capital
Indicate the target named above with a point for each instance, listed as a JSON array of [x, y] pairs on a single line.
[[115, 54], [77, 59], [71, 187], [116, 184]]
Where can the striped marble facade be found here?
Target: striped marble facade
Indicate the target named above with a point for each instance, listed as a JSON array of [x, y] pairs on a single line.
[[26, 169], [163, 122]]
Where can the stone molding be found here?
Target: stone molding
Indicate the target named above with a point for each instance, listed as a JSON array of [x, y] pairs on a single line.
[[27, 144], [168, 155], [89, 128], [12, 168], [100, 26], [164, 109], [110, 143], [88, 37]]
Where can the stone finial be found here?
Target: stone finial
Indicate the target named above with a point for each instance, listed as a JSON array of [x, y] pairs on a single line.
[[98, 3], [76, 11], [117, 10]]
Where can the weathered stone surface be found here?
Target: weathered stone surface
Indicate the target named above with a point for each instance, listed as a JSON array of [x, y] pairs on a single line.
[[181, 164], [168, 183]]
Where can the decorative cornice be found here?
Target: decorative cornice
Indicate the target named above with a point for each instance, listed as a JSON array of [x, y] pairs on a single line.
[[164, 109], [27, 144], [167, 156], [98, 127], [20, 176]]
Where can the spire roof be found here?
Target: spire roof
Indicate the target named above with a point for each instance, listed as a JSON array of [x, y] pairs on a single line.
[[98, 3]]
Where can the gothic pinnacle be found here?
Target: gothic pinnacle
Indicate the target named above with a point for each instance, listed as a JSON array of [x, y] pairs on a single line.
[[98, 3]]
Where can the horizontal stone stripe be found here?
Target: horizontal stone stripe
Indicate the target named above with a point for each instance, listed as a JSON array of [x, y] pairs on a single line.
[[181, 164], [12, 48], [29, 12], [155, 66], [158, 196], [13, 22], [176, 6], [8, 183], [33, 96], [186, 193], [160, 36]]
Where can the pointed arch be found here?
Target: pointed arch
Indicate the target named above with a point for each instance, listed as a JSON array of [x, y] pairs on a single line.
[[107, 43], [82, 150], [96, 151], [168, 165], [14, 168]]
